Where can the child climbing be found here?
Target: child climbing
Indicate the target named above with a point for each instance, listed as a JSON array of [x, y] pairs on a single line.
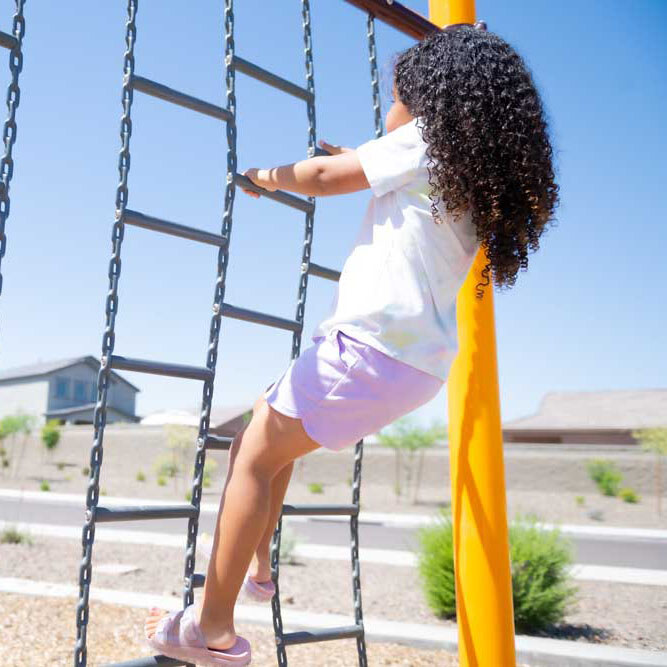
[[466, 162]]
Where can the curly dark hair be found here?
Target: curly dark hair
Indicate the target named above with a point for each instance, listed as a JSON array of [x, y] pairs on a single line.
[[489, 149]]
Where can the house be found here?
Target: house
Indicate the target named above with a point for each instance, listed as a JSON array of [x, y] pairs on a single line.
[[65, 390], [591, 417]]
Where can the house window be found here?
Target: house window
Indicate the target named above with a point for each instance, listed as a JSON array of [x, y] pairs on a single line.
[[93, 392], [62, 387], [79, 391]]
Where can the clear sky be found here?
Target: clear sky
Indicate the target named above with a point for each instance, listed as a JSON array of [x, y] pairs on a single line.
[[589, 314]]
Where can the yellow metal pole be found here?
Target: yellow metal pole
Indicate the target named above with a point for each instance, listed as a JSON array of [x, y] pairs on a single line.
[[484, 607]]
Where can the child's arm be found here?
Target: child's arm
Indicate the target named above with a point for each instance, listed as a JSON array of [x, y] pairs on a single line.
[[315, 177]]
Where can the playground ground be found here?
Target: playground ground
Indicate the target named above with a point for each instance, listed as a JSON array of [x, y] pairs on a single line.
[[544, 480]]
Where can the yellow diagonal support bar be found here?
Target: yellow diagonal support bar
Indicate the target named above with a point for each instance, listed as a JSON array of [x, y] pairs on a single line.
[[484, 608]]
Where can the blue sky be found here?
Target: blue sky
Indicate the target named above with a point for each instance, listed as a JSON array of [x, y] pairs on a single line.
[[589, 314]]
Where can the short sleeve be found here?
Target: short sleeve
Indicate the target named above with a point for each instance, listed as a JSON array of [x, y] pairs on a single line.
[[393, 160]]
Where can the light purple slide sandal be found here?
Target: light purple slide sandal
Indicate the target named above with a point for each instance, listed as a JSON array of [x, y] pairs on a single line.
[[178, 635], [259, 590]]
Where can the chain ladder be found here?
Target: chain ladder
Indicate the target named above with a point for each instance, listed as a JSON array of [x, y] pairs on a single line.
[[108, 341], [218, 298], [9, 129], [300, 311]]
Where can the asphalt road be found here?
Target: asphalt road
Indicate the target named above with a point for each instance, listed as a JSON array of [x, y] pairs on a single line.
[[588, 550]]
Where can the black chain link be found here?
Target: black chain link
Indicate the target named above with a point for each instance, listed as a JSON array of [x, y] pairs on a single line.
[[108, 341], [9, 128], [218, 299], [375, 79]]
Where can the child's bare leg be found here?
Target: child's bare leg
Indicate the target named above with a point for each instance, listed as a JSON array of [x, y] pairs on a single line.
[[260, 568], [269, 443]]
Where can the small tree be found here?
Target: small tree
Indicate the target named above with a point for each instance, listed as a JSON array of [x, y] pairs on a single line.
[[50, 434], [654, 440], [13, 426], [180, 439], [405, 436]]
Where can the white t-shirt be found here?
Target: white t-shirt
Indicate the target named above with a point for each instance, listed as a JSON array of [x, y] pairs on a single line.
[[397, 290]]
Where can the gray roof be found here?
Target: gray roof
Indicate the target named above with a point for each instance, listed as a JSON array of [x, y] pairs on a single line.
[[47, 367], [617, 409]]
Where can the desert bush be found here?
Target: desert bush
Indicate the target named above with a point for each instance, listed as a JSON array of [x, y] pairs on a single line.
[[85, 470], [606, 476], [11, 535], [654, 440], [315, 487], [50, 434], [580, 500], [140, 476], [161, 481], [44, 486], [629, 495], [540, 561]]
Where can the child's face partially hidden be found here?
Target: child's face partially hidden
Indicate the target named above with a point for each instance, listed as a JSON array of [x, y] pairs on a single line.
[[398, 114]]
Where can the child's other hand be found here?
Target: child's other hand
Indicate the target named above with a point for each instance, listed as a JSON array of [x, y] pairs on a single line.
[[332, 149]]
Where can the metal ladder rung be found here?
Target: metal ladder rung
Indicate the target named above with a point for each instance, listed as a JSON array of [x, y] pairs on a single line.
[[323, 635], [260, 318], [198, 580], [277, 195], [267, 77], [222, 442], [321, 510], [144, 512], [8, 41], [137, 219], [162, 92], [159, 368], [323, 272], [148, 661]]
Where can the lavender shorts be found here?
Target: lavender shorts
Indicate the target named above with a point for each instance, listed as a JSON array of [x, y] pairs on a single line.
[[343, 390]]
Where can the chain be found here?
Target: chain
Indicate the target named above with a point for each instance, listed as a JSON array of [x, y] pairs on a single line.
[[218, 298], [108, 341], [9, 129], [375, 79], [354, 546], [300, 311]]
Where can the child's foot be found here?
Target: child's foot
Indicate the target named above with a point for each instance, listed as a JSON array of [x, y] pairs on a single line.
[[218, 640], [260, 570]]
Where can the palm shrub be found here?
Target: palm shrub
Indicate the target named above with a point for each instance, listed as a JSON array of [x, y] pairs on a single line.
[[540, 562]]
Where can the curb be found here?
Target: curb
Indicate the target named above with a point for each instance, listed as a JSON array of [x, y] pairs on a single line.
[[537, 651]]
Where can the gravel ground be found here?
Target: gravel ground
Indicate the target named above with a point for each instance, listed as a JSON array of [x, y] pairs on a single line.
[[619, 614], [544, 479], [115, 633]]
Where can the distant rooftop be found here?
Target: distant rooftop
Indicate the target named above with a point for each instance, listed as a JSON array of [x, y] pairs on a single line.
[[47, 367], [614, 409]]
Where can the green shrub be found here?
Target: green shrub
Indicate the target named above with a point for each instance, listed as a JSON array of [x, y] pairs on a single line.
[[315, 487], [50, 434], [629, 495], [11, 535], [161, 481], [580, 500], [141, 477], [606, 476], [85, 470], [44, 486], [188, 495], [167, 466], [540, 562]]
